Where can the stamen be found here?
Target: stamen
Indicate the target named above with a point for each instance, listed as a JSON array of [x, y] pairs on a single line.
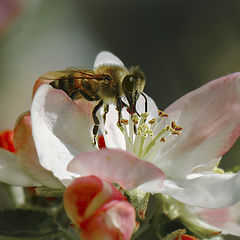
[[135, 118], [163, 139], [162, 114], [124, 121], [175, 132], [152, 121], [173, 125], [177, 128]]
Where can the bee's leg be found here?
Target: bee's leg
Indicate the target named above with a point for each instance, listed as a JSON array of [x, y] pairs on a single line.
[[146, 106], [106, 109], [119, 109], [96, 121]]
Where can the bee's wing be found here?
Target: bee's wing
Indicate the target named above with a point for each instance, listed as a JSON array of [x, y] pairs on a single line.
[[107, 58], [73, 74]]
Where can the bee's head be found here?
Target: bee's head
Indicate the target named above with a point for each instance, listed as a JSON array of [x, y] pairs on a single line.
[[132, 85]]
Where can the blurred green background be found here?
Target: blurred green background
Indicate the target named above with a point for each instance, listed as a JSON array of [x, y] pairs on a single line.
[[180, 44]]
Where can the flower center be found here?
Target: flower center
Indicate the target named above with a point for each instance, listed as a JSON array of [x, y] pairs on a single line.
[[143, 136]]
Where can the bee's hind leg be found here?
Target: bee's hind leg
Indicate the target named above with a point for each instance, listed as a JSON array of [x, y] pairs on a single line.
[[96, 121]]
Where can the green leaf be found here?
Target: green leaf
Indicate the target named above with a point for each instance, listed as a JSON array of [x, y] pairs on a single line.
[[26, 224]]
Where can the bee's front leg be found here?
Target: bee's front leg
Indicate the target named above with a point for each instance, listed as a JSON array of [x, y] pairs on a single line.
[[119, 109], [96, 121]]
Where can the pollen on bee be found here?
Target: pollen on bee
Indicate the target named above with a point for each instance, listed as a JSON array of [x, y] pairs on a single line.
[[162, 114]]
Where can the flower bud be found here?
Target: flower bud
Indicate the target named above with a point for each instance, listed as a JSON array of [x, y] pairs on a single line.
[[99, 210]]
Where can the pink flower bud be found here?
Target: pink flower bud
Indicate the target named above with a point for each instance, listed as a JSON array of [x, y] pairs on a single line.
[[99, 209]]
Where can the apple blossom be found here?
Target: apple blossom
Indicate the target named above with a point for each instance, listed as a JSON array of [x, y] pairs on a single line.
[[183, 143]]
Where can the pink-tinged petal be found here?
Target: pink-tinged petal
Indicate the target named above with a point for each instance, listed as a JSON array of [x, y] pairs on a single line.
[[11, 173], [61, 129], [115, 220], [226, 220], [6, 141], [38, 83], [98, 209], [210, 190], [210, 117], [114, 138], [122, 167], [27, 155]]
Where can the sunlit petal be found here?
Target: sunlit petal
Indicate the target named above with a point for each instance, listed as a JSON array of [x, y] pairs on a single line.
[[107, 58], [210, 117], [61, 129]]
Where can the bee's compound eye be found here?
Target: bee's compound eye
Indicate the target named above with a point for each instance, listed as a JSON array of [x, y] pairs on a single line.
[[127, 83]]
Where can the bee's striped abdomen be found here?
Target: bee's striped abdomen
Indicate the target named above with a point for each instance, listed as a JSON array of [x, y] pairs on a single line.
[[67, 85]]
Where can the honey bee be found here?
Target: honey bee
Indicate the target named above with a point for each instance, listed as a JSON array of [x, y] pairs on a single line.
[[108, 82]]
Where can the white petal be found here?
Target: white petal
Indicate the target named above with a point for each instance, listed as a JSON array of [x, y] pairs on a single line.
[[210, 117], [210, 190], [225, 219], [107, 58], [61, 129], [11, 173]]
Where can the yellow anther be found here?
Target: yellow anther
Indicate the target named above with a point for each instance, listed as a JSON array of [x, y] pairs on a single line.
[[162, 139], [139, 132], [124, 121], [168, 128], [152, 121], [135, 118], [173, 125], [175, 132], [162, 114], [177, 128]]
